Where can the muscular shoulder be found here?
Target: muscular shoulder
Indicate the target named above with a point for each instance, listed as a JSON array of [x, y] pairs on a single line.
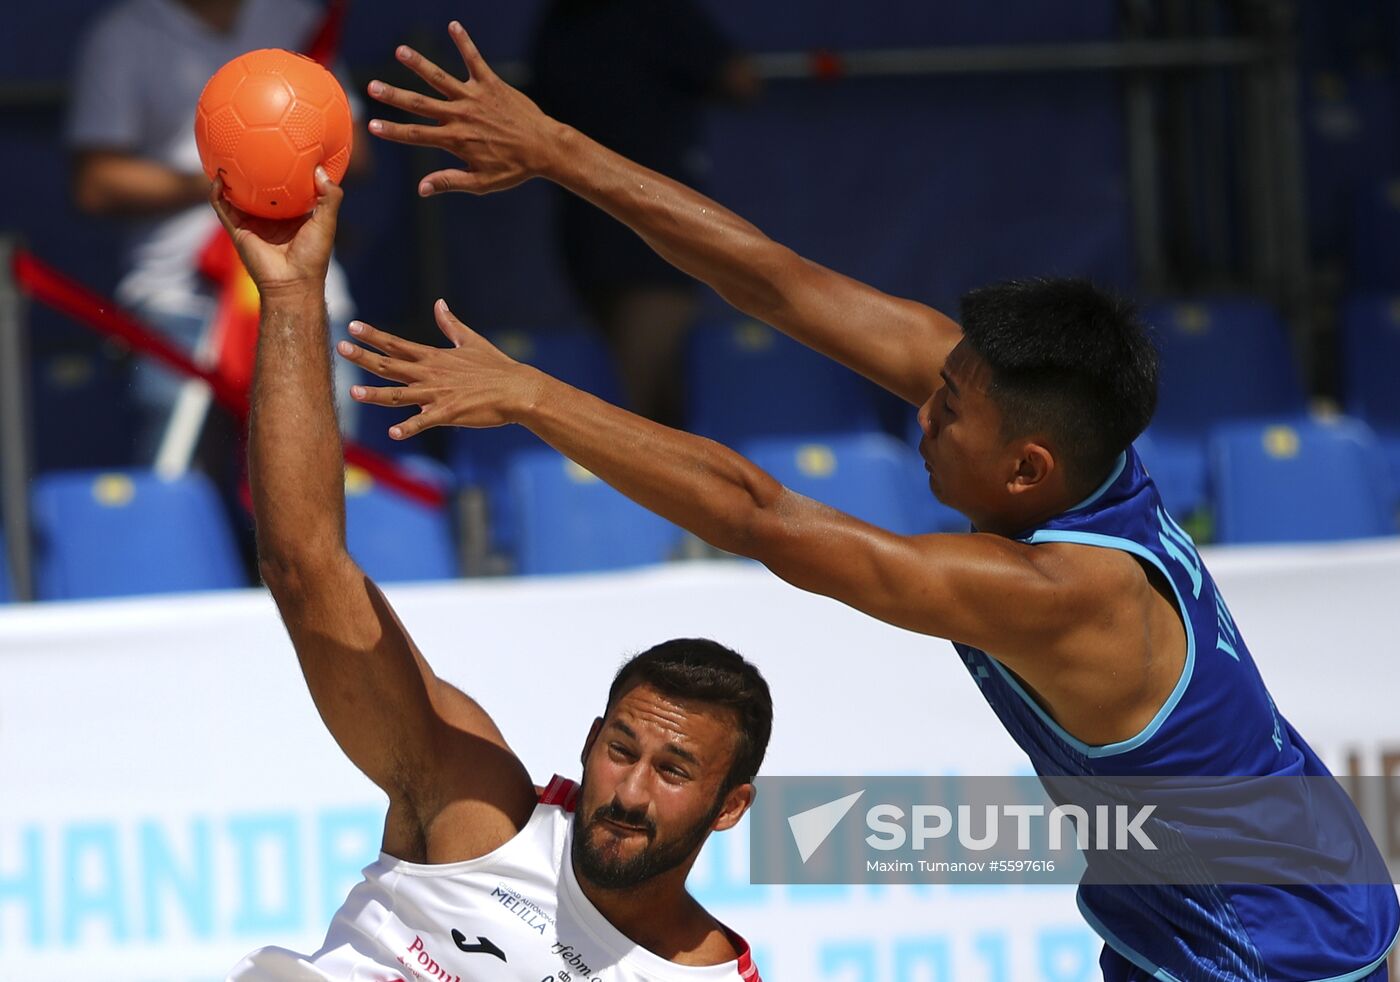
[[1119, 646], [1085, 569], [1095, 591]]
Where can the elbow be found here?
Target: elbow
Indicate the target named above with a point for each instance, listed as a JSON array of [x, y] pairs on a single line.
[[89, 197], [284, 578], [290, 573], [762, 530], [765, 291], [90, 186]]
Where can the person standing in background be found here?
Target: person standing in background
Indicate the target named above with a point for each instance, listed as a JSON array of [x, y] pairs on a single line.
[[140, 70], [635, 74]]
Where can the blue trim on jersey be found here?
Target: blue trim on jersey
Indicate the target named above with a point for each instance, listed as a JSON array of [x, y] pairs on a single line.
[[1133, 742], [1361, 973], [1112, 941], [1103, 488]]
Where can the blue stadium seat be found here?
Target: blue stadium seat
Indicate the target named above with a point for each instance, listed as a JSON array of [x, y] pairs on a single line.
[[1178, 468], [121, 533], [82, 413], [1371, 355], [1304, 480], [745, 380], [568, 521], [1226, 358], [868, 475], [394, 537], [1375, 240], [481, 458], [1222, 359]]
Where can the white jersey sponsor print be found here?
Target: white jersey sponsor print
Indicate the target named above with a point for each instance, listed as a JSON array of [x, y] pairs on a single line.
[[514, 914]]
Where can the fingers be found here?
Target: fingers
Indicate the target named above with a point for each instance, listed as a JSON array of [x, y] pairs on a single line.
[[398, 396], [387, 395], [390, 344], [425, 420], [448, 85], [371, 361], [453, 329], [221, 206], [408, 101], [329, 195], [443, 181], [413, 134], [476, 65]]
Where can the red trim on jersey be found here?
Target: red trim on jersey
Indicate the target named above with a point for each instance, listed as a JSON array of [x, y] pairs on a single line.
[[748, 971], [560, 791], [550, 794]]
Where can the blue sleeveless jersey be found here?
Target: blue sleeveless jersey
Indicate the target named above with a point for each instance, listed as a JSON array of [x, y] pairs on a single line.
[[1218, 721]]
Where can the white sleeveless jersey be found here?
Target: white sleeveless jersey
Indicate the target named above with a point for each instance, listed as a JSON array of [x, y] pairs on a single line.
[[514, 914]]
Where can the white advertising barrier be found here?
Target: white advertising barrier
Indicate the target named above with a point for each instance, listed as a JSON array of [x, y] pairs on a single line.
[[169, 798]]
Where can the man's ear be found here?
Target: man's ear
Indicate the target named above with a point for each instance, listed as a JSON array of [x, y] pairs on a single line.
[[592, 735], [736, 802], [1034, 467]]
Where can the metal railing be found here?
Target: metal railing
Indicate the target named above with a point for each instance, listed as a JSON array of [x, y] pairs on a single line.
[[15, 454]]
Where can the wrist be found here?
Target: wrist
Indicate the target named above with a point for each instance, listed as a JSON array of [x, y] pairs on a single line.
[[293, 295], [532, 398], [559, 148]]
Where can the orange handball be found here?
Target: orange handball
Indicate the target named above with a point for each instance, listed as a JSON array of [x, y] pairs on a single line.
[[263, 123]]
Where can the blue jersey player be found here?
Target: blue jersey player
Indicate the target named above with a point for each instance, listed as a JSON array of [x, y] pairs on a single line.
[[1082, 610]]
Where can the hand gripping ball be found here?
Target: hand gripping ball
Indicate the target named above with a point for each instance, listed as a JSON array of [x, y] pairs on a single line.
[[263, 122]]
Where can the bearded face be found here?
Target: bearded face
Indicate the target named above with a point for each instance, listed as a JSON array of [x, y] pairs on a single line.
[[654, 786], [616, 848]]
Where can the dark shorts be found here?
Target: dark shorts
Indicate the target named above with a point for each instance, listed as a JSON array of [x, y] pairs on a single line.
[[1116, 968]]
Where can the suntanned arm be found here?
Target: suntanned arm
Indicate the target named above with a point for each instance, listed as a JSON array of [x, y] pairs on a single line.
[[371, 686], [899, 344], [1080, 625], [117, 182], [984, 590]]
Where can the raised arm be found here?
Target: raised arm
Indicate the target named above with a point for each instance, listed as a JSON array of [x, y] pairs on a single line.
[[371, 686], [505, 139]]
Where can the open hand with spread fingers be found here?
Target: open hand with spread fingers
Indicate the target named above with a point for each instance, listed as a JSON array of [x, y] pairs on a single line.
[[472, 383], [502, 136]]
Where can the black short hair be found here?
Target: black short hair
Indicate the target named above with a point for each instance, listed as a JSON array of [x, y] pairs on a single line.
[[707, 671], [1069, 360]]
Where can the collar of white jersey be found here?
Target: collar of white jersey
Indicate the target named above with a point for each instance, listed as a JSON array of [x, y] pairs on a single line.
[[619, 945]]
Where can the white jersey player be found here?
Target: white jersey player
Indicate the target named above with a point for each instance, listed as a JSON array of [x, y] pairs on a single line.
[[516, 913], [482, 877]]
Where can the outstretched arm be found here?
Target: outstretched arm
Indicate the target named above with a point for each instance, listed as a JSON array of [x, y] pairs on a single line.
[[505, 139], [984, 590], [370, 684]]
